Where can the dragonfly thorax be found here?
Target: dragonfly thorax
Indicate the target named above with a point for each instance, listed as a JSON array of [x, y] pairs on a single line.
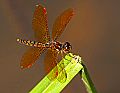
[[58, 46]]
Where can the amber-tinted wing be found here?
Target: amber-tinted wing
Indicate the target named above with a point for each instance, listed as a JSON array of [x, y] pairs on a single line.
[[61, 22], [51, 62], [40, 25], [30, 56]]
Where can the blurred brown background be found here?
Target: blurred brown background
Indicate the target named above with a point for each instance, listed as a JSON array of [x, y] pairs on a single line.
[[94, 33]]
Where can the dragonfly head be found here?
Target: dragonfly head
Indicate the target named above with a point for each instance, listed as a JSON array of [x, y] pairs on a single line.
[[67, 47]]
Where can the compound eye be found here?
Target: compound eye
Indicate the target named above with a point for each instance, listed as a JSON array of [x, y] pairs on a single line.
[[67, 47]]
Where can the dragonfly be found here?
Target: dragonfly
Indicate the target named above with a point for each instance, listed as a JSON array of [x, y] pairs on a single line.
[[46, 43]]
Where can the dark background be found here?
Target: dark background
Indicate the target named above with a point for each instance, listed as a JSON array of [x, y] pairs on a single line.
[[94, 33]]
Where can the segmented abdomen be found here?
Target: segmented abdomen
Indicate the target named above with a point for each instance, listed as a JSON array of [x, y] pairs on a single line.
[[30, 43]]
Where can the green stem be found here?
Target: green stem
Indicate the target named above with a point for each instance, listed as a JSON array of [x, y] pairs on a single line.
[[86, 80]]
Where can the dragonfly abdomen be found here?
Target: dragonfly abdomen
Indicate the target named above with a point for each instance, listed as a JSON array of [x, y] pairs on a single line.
[[30, 43]]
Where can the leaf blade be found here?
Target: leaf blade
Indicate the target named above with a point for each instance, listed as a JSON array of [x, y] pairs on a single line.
[[72, 68]]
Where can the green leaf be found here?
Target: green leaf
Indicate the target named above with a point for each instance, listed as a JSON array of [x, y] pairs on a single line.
[[72, 67]]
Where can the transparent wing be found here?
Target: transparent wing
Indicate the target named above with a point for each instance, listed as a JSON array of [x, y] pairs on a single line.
[[61, 22], [30, 56], [50, 63], [40, 25]]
